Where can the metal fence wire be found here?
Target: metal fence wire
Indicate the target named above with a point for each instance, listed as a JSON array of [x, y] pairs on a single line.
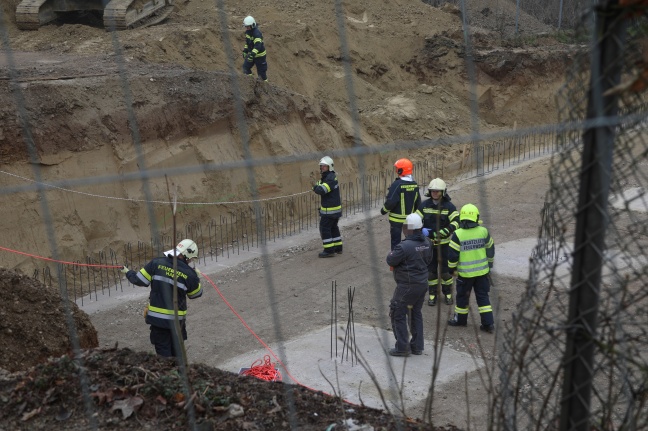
[[575, 354]]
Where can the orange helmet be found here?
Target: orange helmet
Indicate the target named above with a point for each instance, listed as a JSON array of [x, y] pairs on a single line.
[[404, 167]]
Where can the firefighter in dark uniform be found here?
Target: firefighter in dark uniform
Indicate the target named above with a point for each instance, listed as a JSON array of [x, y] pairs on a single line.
[[330, 210], [160, 314], [471, 255], [410, 260], [440, 220], [254, 53], [403, 198]]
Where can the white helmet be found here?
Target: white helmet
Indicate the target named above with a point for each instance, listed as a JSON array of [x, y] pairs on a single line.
[[249, 21], [436, 184], [414, 221], [326, 160], [186, 247]]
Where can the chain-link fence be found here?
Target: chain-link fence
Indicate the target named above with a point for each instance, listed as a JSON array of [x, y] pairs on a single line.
[[575, 356]]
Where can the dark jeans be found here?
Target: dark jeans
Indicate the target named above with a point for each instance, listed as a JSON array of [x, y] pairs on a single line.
[[396, 232], [165, 340], [330, 233], [482, 287], [405, 307], [261, 66]]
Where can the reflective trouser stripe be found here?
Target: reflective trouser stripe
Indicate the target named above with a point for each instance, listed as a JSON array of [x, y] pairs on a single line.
[[460, 310], [485, 309]]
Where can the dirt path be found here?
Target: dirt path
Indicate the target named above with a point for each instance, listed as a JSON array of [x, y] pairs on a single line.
[[291, 296]]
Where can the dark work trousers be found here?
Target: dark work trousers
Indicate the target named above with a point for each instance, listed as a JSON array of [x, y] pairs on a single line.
[[396, 232], [433, 275], [482, 287], [330, 233], [405, 307], [165, 341], [261, 66]]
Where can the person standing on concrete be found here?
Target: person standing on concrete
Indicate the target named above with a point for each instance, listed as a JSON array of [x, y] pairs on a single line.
[[410, 260], [471, 256], [160, 313], [254, 53], [440, 220], [403, 198], [331, 208]]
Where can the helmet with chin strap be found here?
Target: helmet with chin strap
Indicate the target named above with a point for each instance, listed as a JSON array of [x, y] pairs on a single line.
[[326, 160], [248, 21], [436, 184]]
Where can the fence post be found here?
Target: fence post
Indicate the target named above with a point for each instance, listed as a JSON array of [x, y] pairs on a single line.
[[591, 220]]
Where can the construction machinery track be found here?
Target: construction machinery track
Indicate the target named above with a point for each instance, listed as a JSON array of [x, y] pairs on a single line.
[[117, 14]]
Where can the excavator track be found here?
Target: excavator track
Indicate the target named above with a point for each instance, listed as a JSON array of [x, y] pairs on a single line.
[[117, 14], [31, 14], [126, 14]]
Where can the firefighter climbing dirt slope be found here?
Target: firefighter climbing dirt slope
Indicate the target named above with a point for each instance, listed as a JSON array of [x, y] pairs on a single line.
[[117, 14]]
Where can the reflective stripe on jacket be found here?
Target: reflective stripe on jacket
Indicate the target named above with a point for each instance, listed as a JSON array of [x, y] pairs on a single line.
[[254, 42], [329, 190], [159, 274], [471, 251], [446, 212], [403, 198]]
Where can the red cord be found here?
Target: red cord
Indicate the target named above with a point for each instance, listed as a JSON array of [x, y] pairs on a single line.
[[59, 261], [264, 370]]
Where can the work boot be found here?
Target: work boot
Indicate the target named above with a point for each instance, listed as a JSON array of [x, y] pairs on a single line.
[[394, 352], [454, 322], [448, 299], [487, 328], [338, 250], [432, 301], [326, 254]]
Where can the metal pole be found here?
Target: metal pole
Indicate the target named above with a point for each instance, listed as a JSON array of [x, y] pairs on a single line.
[[592, 221], [560, 11]]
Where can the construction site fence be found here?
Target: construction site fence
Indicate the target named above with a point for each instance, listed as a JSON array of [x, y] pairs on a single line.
[[252, 226]]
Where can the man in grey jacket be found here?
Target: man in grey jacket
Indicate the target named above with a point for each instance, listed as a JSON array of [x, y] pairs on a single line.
[[409, 260]]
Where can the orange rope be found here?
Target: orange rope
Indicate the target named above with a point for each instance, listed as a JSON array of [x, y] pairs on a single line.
[[264, 370]]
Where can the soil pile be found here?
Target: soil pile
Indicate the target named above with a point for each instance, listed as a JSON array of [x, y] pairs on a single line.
[[33, 322]]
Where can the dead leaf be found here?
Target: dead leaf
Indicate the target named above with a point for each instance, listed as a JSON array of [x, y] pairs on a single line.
[[27, 416], [160, 399], [178, 397], [127, 406]]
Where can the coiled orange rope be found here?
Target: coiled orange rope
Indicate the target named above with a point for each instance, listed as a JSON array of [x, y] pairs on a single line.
[[264, 370]]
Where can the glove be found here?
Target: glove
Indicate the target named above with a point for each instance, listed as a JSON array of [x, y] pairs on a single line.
[[452, 272], [426, 231], [382, 211], [444, 233], [433, 235], [198, 273], [250, 58], [124, 269], [245, 52]]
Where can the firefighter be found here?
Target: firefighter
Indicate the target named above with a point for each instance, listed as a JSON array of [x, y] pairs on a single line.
[[403, 198], [470, 256], [254, 53], [440, 220], [160, 314], [330, 210], [409, 259]]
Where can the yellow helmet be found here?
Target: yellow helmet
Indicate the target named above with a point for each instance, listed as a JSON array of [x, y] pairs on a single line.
[[469, 212]]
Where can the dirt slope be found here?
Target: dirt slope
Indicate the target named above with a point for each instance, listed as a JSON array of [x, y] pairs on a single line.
[[79, 86]]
